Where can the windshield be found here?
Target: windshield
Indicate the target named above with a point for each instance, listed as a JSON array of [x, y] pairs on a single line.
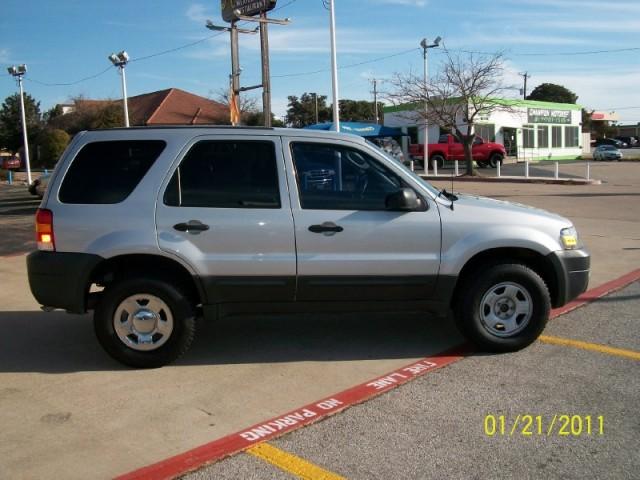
[[607, 147], [423, 182]]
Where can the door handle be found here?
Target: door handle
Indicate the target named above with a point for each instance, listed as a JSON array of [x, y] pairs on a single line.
[[326, 227], [193, 227]]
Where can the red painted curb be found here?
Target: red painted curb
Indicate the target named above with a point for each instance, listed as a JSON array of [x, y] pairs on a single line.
[[597, 292], [290, 421], [236, 442]]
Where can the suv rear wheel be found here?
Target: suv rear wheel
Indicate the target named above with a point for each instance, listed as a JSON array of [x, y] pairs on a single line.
[[144, 322], [503, 309]]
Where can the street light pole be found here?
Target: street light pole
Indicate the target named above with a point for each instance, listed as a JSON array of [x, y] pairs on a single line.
[[120, 60], [315, 96], [18, 72], [425, 155], [334, 67]]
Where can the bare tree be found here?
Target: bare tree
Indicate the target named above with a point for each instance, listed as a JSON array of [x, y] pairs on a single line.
[[468, 87], [248, 105]]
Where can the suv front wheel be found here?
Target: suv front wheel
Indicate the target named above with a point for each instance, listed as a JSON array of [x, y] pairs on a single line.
[[504, 308], [144, 322]]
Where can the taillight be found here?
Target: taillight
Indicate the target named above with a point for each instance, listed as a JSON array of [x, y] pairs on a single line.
[[44, 230]]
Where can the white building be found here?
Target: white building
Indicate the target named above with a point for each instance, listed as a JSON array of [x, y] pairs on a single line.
[[529, 130]]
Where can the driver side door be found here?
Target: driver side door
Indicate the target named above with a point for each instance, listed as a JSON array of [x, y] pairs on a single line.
[[349, 246]]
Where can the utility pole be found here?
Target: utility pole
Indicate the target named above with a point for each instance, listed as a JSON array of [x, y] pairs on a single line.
[[315, 97], [18, 72], [525, 75], [266, 76], [375, 99]]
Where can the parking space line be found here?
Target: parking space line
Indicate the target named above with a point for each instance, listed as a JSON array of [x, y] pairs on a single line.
[[594, 347], [291, 463]]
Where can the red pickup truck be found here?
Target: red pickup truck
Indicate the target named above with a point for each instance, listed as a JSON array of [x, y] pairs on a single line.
[[449, 148]]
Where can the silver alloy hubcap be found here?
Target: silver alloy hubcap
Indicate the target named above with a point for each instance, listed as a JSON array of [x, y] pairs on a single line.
[[506, 309], [143, 322]]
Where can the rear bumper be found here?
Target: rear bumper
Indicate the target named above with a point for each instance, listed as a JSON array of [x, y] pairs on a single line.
[[572, 269], [60, 280]]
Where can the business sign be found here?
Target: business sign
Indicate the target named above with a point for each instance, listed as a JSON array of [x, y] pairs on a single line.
[[231, 8], [547, 115]]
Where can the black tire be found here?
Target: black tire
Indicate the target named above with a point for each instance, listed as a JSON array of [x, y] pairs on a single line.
[[494, 159], [480, 283], [180, 308], [439, 159]]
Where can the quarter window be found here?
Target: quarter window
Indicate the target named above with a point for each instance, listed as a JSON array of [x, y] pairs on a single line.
[[333, 177], [226, 174], [107, 172]]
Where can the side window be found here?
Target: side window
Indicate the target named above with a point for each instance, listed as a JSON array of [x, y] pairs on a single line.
[[333, 177], [226, 174], [107, 172], [443, 139]]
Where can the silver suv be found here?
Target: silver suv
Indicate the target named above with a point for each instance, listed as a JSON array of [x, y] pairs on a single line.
[[151, 227]]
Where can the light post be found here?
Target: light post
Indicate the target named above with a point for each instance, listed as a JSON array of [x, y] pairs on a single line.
[[120, 60], [18, 71], [334, 67], [425, 46]]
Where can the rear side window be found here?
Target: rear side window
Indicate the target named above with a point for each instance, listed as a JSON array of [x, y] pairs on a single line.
[[226, 174], [107, 172]]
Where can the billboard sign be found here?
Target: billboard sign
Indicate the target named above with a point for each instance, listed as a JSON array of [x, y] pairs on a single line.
[[244, 7], [547, 115]]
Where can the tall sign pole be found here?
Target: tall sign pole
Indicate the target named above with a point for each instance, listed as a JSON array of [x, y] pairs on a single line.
[[232, 11], [334, 67]]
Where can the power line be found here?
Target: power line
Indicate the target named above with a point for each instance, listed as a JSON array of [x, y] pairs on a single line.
[[351, 65], [545, 54], [145, 57]]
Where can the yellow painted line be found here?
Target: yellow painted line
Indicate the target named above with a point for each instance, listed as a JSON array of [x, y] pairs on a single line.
[[290, 463], [595, 347]]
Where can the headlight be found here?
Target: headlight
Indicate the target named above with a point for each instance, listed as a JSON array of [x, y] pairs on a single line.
[[570, 239]]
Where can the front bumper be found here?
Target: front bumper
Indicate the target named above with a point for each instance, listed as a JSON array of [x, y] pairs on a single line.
[[572, 269], [61, 280]]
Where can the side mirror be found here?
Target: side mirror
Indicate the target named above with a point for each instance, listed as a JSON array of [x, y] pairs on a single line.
[[404, 199]]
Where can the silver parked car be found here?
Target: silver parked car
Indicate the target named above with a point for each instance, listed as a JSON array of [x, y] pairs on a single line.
[[188, 221], [607, 152]]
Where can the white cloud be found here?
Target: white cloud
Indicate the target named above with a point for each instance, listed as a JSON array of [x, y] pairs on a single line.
[[198, 13], [579, 6], [407, 3], [608, 25], [4, 55]]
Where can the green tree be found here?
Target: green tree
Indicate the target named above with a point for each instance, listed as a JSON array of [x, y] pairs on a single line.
[[550, 92], [302, 111], [89, 114], [358, 110], [11, 123], [52, 113], [52, 142]]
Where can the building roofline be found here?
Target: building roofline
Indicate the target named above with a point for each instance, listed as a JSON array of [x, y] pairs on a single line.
[[404, 107]]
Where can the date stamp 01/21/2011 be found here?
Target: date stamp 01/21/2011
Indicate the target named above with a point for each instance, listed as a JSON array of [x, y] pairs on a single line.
[[562, 425]]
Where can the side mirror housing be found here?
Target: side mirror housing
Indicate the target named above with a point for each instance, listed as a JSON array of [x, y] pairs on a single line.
[[404, 200]]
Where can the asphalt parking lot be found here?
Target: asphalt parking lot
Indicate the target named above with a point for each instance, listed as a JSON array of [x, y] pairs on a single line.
[[68, 411]]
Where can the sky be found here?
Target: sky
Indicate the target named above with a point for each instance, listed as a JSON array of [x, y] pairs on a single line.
[[68, 41]]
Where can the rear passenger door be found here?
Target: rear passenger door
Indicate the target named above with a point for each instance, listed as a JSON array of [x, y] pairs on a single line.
[[225, 210], [350, 247]]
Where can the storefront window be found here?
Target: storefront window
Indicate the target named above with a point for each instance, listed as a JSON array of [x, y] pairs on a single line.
[[528, 133], [571, 137], [543, 136], [556, 137], [487, 132]]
